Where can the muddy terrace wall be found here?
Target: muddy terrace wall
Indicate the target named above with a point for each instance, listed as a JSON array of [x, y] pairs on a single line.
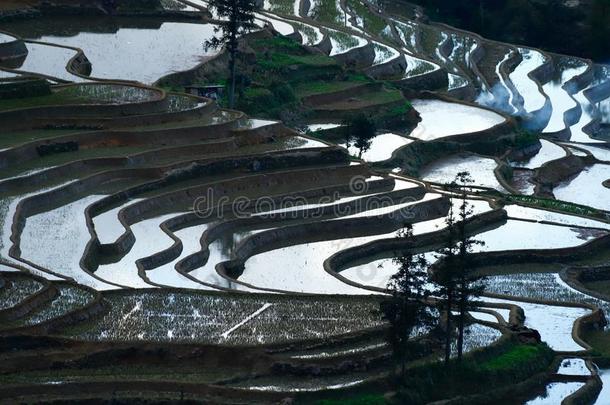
[[393, 68], [24, 153], [42, 296], [554, 172], [327, 98], [23, 86], [85, 166], [12, 53], [356, 58], [49, 117], [562, 255], [80, 64], [437, 79], [162, 137], [156, 102]]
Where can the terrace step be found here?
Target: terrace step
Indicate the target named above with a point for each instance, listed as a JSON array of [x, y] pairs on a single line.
[[352, 347], [494, 55], [17, 289], [362, 103], [33, 293], [52, 61], [72, 303]]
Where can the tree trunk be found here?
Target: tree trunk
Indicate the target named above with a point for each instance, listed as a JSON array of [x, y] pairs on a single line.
[[233, 52], [462, 315], [232, 64], [448, 326]]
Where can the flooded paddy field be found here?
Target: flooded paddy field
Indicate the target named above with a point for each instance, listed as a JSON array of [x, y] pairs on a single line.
[[243, 251], [457, 119], [159, 47]]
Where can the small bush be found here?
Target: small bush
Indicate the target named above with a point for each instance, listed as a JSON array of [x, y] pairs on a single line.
[[525, 138]]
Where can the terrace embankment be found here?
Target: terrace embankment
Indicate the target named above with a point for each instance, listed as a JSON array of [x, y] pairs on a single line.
[[552, 173], [110, 197]]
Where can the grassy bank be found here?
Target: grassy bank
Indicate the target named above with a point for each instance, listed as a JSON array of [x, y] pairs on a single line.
[[497, 366]]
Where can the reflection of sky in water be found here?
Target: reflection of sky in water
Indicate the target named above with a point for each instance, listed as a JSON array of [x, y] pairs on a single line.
[[144, 55], [300, 268], [382, 147], [587, 188], [56, 240], [560, 98], [481, 170], [455, 119], [149, 239], [49, 60], [533, 99], [555, 393], [549, 152]]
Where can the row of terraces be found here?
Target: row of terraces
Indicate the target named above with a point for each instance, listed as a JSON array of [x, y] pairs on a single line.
[[154, 244]]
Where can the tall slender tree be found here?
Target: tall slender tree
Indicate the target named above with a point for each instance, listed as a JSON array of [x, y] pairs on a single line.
[[468, 286], [459, 285], [406, 309], [238, 19], [446, 280]]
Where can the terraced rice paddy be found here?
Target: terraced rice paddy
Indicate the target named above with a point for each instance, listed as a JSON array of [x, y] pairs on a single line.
[[555, 392], [579, 189], [143, 223], [548, 152], [480, 168], [457, 119], [528, 88], [159, 51], [50, 61]]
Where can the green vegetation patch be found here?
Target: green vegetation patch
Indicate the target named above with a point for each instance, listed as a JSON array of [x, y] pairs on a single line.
[[525, 138], [326, 11], [321, 87], [497, 366], [557, 205], [516, 357], [372, 23], [280, 60]]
